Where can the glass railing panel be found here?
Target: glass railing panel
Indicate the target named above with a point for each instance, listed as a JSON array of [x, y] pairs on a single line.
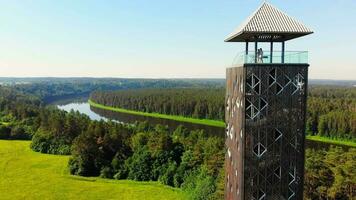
[[290, 57]]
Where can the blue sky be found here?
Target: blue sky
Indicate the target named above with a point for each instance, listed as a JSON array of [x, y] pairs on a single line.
[[160, 39]]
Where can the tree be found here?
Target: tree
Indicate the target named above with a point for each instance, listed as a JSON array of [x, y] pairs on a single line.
[[140, 165]]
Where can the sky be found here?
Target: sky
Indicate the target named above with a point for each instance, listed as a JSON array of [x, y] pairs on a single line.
[[160, 38]]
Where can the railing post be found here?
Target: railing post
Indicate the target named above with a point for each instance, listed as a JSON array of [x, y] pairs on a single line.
[[246, 52], [283, 52], [256, 51], [271, 53]]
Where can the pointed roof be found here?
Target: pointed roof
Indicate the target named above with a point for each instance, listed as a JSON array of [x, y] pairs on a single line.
[[268, 23]]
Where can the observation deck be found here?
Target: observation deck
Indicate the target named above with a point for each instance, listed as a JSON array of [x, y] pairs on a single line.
[[274, 57]]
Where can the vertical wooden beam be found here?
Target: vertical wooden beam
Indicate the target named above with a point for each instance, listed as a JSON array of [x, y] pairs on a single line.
[[283, 46], [271, 52], [246, 49], [246, 52], [256, 51]]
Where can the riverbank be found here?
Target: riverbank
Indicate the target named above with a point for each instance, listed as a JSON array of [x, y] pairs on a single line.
[[207, 122], [330, 141]]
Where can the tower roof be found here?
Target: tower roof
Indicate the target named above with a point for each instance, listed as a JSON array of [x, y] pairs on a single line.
[[268, 23]]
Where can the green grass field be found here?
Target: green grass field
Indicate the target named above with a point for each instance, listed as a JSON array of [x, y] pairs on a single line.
[[331, 141], [163, 116], [25, 174]]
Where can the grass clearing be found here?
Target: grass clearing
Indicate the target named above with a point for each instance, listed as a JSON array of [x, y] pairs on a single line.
[[25, 174], [207, 122], [330, 141]]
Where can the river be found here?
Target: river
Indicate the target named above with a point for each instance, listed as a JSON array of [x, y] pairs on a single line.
[[100, 114], [82, 106]]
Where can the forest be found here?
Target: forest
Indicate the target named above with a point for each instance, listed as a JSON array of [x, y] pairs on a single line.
[[189, 102], [331, 110], [190, 160]]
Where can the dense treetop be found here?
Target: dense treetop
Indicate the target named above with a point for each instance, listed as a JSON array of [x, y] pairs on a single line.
[[189, 102]]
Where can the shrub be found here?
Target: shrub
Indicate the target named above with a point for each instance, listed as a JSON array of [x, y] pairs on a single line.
[[73, 165], [119, 167], [44, 142], [140, 165], [106, 172], [199, 184], [4, 132], [40, 142], [18, 132], [168, 177]]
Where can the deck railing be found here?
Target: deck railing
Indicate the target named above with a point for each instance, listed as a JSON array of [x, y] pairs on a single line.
[[289, 57]]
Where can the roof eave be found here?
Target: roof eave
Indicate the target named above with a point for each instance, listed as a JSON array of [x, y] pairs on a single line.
[[241, 36]]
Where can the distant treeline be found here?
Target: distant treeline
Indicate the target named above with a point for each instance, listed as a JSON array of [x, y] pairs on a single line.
[[189, 102], [331, 110], [52, 89]]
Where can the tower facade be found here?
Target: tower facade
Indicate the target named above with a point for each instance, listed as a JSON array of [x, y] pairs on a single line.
[[266, 96]]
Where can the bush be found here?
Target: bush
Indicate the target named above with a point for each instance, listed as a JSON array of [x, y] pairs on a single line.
[[199, 184], [119, 167], [140, 165], [18, 132], [73, 165], [4, 132], [40, 142], [106, 172], [44, 142], [168, 176]]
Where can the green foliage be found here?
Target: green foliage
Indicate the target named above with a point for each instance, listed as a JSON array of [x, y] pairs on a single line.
[[330, 174], [18, 132], [199, 184], [188, 102], [140, 165], [220, 185], [106, 172], [4, 132], [167, 177], [45, 142], [151, 153], [331, 112]]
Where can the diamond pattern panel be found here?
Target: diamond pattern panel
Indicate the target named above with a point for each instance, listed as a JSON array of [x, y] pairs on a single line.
[[265, 117]]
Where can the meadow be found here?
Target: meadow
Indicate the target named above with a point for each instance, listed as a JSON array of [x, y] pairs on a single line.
[[25, 174]]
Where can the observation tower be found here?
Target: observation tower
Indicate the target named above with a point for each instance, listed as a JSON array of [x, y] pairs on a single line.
[[266, 93]]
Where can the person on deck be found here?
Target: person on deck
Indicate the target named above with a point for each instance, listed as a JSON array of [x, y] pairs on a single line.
[[260, 55]]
